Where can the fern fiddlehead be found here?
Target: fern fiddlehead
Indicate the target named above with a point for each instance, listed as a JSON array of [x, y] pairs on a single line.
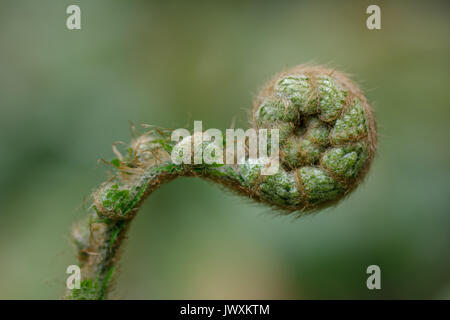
[[327, 138]]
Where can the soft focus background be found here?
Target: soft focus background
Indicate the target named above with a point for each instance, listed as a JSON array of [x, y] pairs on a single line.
[[66, 96]]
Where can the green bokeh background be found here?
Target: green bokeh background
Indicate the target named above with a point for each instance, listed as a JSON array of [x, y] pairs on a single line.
[[66, 96]]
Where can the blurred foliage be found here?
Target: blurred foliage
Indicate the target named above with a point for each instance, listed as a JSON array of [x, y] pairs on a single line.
[[66, 96]]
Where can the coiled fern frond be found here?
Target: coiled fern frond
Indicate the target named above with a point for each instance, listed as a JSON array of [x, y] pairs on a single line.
[[327, 138]]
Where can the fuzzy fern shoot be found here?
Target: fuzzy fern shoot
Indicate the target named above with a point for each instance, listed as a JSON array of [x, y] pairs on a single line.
[[327, 137]]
